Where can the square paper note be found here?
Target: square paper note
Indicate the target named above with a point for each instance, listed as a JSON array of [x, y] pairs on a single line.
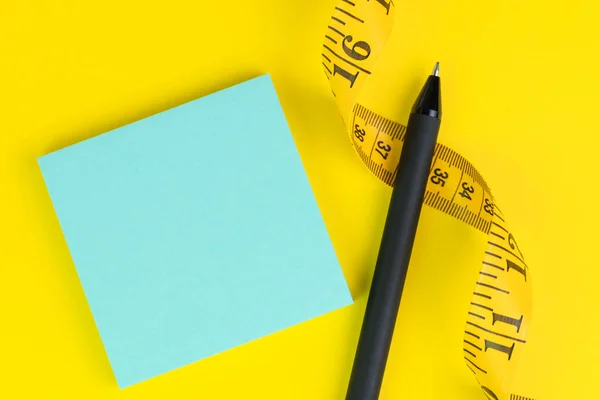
[[194, 231]]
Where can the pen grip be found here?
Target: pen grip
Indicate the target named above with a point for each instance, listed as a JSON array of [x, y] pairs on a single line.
[[393, 258]]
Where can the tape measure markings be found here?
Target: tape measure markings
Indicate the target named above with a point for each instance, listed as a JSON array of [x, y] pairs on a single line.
[[500, 226], [349, 14], [475, 365], [476, 315], [500, 311], [443, 156], [343, 59], [336, 31], [497, 235], [496, 333], [507, 251], [487, 285], [472, 334], [338, 20], [481, 305]]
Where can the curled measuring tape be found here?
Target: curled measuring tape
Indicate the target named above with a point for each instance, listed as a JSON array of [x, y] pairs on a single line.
[[500, 310]]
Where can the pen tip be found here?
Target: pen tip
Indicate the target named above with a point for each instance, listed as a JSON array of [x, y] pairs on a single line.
[[436, 69]]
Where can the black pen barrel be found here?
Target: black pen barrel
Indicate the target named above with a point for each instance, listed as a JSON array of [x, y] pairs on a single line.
[[394, 256]]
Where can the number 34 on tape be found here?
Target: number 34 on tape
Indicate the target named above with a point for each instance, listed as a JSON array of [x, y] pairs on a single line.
[[500, 310]]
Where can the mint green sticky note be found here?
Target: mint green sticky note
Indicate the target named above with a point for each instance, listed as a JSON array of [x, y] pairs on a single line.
[[194, 231]]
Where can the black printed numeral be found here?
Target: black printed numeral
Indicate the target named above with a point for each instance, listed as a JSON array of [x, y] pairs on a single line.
[[439, 177], [467, 191], [489, 207], [359, 51], [353, 52], [500, 347], [385, 147], [359, 133], [341, 71], [507, 320], [511, 265], [513, 244]]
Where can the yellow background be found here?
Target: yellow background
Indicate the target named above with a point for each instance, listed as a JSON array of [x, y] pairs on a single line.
[[520, 101]]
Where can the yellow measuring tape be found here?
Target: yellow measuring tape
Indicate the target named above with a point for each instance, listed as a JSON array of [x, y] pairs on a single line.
[[500, 311]]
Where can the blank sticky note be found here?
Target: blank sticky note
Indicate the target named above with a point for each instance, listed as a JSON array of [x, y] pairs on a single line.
[[194, 231]]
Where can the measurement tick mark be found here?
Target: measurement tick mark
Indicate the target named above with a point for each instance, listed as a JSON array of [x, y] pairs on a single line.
[[508, 251], [495, 234], [493, 287], [501, 227], [338, 20], [350, 15], [493, 265], [476, 315], [470, 352], [336, 31], [482, 306], [472, 344], [492, 254], [476, 366], [472, 334]]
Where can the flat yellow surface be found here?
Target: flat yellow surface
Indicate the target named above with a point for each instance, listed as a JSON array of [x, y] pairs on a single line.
[[521, 102]]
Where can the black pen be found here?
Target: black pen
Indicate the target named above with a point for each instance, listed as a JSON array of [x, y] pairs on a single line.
[[396, 243]]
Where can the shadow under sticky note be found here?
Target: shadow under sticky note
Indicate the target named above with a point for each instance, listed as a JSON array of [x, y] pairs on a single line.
[[194, 231]]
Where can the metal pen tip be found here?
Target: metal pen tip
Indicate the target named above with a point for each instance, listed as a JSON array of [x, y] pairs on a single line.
[[436, 69]]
